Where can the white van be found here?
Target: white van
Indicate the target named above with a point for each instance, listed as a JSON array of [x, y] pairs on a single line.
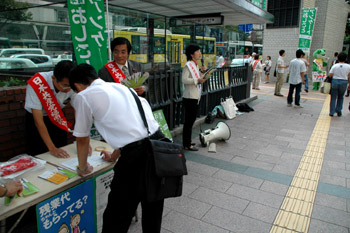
[[13, 51]]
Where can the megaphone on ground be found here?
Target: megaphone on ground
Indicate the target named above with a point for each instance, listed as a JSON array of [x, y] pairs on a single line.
[[220, 132]]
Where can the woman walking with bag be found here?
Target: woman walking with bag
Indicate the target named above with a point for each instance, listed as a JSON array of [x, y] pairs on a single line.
[[340, 74], [192, 80]]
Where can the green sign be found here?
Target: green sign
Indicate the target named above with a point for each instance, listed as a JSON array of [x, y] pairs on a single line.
[[306, 28], [87, 22], [159, 117]]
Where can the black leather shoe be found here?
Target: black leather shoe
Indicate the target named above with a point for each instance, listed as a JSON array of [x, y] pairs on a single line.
[[191, 148], [339, 114]]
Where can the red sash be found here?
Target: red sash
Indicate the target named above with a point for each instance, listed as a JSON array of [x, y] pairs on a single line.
[[49, 101], [255, 63], [114, 70], [193, 70]]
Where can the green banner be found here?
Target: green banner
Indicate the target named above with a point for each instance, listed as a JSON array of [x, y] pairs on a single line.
[[87, 22], [306, 28], [160, 118]]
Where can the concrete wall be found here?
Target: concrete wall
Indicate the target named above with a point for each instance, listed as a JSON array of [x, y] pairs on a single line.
[[328, 32]]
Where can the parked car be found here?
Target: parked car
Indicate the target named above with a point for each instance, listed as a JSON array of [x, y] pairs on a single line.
[[239, 62], [62, 57], [38, 59], [16, 63], [13, 51]]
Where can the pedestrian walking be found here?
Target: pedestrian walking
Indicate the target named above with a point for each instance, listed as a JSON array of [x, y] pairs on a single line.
[[297, 69]]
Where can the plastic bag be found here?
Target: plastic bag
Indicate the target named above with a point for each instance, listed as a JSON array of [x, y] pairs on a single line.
[[19, 166], [229, 107]]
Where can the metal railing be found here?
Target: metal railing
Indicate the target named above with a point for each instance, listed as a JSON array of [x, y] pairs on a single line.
[[165, 91]]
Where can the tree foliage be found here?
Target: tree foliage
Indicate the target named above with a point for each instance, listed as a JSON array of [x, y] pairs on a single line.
[[10, 10]]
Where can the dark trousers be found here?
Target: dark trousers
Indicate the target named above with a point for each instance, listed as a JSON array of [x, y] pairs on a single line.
[[191, 106], [297, 93], [34, 144], [128, 189]]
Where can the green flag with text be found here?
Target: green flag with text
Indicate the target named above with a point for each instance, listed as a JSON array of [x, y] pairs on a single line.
[[87, 22], [306, 28]]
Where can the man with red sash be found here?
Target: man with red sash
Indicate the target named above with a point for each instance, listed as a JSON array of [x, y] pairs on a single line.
[[46, 127], [121, 66]]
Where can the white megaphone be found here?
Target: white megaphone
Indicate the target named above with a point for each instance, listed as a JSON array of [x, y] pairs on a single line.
[[220, 132]]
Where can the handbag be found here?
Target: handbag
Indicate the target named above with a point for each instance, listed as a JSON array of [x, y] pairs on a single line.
[[229, 107], [166, 165], [327, 85], [275, 72]]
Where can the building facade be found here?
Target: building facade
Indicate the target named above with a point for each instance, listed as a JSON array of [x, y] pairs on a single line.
[[329, 29]]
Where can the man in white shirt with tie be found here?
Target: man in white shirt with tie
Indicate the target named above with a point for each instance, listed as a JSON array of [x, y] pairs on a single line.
[[121, 49]]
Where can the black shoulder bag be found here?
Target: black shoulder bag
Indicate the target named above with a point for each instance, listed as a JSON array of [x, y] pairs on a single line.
[[166, 165]]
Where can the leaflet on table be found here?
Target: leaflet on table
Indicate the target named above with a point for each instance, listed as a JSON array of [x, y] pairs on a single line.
[[53, 176], [94, 160], [135, 80], [28, 189], [20, 166], [208, 73]]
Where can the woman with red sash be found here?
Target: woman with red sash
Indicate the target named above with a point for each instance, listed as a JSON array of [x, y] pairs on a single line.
[[192, 80]]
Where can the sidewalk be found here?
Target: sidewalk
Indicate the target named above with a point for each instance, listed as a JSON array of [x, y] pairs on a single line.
[[274, 165]]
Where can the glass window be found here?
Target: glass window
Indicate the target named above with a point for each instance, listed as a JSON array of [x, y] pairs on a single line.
[[286, 13]]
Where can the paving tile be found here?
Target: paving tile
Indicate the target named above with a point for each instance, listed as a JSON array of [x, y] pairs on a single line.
[[272, 150], [253, 163], [188, 206], [284, 169], [237, 178], [317, 226], [341, 181], [221, 200], [330, 201], [275, 188], [255, 195], [333, 164], [201, 168], [188, 188], [181, 223], [245, 153], [261, 212], [235, 222], [331, 215], [209, 182]]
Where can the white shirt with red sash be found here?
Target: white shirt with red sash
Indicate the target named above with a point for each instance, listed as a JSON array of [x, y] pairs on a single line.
[[194, 70], [33, 101]]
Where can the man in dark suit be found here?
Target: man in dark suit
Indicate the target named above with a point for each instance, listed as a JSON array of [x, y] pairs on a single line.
[[121, 67]]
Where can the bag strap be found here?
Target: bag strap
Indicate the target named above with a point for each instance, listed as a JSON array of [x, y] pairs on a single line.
[[142, 112]]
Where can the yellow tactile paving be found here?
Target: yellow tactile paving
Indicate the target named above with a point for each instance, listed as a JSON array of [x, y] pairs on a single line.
[[296, 209]]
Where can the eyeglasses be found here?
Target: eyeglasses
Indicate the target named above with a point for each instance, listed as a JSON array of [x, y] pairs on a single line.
[[64, 87]]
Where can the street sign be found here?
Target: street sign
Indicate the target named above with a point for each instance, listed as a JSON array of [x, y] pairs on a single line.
[[196, 19], [245, 28]]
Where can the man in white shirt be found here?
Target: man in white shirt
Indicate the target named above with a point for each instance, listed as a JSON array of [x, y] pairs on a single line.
[[42, 134], [297, 70], [113, 110], [280, 73]]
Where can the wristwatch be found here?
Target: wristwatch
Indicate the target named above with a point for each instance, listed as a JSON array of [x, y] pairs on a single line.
[[4, 186]]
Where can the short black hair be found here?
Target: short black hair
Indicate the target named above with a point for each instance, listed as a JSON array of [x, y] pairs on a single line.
[[62, 69], [256, 56], [82, 74], [299, 52], [281, 52], [220, 53], [269, 57], [342, 57], [336, 54], [191, 49], [120, 41]]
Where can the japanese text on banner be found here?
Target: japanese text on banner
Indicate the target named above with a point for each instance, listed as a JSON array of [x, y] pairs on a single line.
[[88, 28]]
